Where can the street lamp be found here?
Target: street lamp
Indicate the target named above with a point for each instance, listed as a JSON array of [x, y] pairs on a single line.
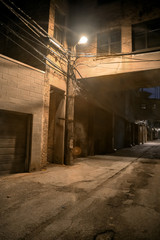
[[69, 116], [83, 40]]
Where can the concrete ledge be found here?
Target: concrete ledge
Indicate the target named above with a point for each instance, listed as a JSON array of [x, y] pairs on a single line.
[[21, 63]]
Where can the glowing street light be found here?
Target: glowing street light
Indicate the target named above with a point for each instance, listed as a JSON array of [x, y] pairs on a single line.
[[83, 40]]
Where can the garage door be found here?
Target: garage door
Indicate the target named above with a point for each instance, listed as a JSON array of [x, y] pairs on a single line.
[[14, 142]]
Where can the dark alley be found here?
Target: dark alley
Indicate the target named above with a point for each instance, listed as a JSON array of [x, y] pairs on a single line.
[[113, 196], [79, 120]]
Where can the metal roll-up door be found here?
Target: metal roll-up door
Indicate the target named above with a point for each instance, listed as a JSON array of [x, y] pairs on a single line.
[[15, 129]]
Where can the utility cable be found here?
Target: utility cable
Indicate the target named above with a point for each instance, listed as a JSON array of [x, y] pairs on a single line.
[[31, 27], [35, 49], [52, 40], [39, 41], [108, 63], [44, 63], [44, 32]]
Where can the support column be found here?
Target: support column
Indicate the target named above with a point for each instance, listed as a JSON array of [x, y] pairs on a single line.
[[45, 121], [113, 132], [126, 33], [69, 118]]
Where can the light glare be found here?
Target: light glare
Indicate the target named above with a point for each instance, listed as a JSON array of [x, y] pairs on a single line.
[[83, 40]]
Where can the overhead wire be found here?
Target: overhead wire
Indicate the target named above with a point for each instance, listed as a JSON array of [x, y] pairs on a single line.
[[108, 63], [35, 49], [46, 64], [45, 34], [55, 67], [41, 43], [20, 17], [110, 55], [52, 40], [25, 22], [99, 57], [33, 28]]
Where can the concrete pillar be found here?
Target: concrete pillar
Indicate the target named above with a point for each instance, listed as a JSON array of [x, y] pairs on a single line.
[[139, 134], [126, 38], [113, 131], [45, 121], [142, 134]]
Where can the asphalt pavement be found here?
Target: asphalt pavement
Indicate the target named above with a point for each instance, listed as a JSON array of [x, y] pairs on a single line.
[[115, 196]]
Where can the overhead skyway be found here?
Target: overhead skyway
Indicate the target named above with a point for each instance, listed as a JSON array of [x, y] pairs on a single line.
[[105, 67]]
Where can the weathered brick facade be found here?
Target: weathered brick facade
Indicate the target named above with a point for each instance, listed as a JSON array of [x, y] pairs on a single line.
[[22, 90]]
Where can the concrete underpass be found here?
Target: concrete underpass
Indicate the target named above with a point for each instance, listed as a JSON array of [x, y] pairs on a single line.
[[115, 111]]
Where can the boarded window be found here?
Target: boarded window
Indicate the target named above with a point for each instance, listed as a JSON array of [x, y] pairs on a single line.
[[146, 35], [109, 42]]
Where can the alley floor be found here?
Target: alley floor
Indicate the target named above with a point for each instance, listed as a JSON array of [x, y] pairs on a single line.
[[105, 197]]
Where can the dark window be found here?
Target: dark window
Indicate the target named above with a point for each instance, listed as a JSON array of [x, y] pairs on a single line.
[[59, 26], [59, 34], [109, 42], [102, 2], [143, 106], [146, 35]]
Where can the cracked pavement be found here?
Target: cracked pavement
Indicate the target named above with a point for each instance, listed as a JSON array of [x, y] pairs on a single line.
[[114, 196]]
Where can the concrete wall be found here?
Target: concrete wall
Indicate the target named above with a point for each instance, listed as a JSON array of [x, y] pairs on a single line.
[[96, 67], [22, 90]]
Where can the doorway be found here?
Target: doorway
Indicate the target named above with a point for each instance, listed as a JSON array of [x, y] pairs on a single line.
[[56, 126]]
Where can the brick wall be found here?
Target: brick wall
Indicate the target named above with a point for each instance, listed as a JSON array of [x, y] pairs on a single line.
[[22, 90]]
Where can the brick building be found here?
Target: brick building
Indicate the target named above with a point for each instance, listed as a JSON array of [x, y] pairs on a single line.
[[121, 56], [21, 104], [32, 85]]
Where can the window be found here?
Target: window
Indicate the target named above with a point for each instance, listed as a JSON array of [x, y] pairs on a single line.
[[102, 2], [154, 106], [59, 26], [143, 106], [109, 42], [146, 35]]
